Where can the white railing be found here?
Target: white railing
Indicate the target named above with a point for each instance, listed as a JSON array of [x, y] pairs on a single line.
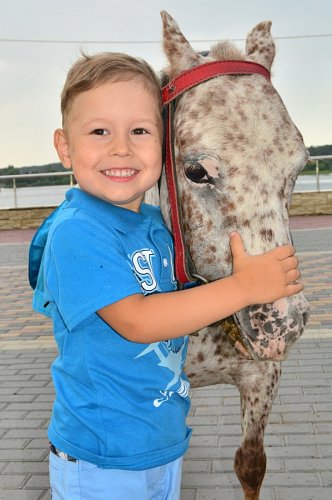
[[30, 176], [315, 159], [34, 189]]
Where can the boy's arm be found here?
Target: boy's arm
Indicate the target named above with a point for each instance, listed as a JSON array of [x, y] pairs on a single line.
[[255, 279]]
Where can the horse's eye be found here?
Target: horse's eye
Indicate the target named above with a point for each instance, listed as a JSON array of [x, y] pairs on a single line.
[[197, 173]]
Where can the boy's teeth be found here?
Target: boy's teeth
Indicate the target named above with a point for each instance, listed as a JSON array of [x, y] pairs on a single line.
[[119, 172]]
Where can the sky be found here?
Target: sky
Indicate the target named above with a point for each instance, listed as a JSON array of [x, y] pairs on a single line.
[[49, 36]]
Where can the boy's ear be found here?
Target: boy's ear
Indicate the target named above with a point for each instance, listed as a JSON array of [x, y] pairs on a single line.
[[62, 147]]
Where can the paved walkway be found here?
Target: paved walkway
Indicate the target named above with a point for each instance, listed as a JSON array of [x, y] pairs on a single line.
[[299, 434]]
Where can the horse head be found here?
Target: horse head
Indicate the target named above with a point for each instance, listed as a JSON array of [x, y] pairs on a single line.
[[237, 155]]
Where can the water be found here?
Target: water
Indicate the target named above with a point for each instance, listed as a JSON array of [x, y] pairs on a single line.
[[44, 196], [309, 183]]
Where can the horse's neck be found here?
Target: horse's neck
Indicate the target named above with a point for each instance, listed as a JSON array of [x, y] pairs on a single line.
[[152, 196], [158, 196]]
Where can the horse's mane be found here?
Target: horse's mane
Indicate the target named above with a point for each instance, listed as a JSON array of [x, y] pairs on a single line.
[[226, 50], [221, 51]]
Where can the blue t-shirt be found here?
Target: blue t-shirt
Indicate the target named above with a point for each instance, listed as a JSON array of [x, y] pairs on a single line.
[[118, 404]]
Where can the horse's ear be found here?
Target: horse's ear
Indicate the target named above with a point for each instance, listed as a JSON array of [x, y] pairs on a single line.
[[260, 46], [178, 50]]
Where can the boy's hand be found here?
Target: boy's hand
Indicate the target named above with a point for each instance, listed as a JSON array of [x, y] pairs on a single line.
[[267, 277]]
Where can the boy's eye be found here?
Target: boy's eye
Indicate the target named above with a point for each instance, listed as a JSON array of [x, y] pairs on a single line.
[[100, 131], [139, 131]]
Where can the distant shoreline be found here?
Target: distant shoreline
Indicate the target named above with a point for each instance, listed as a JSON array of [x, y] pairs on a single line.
[[39, 196]]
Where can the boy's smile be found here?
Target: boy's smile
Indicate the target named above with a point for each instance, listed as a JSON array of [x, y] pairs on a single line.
[[120, 174], [112, 141]]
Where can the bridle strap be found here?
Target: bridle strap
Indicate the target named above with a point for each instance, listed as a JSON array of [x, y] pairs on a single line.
[[204, 72], [182, 263]]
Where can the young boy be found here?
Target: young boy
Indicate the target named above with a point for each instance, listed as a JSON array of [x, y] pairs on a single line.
[[118, 429]]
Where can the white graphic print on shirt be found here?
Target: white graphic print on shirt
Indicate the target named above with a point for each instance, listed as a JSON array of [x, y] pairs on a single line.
[[171, 355]]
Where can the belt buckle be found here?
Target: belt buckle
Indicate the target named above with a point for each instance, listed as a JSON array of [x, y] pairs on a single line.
[[62, 454]]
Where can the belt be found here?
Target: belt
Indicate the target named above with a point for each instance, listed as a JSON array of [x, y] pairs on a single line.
[[62, 454]]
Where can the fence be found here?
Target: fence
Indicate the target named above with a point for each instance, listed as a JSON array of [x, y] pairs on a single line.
[[316, 159], [46, 200], [15, 189]]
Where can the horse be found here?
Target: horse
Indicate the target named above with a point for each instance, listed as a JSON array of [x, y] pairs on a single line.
[[237, 155]]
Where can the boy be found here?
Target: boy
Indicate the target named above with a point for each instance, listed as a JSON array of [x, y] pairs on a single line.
[[118, 428]]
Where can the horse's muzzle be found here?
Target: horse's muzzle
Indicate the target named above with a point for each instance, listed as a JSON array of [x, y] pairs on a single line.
[[271, 329]]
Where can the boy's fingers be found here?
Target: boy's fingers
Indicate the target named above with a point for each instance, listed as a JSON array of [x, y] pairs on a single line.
[[292, 276], [236, 244], [290, 263], [294, 288], [284, 251]]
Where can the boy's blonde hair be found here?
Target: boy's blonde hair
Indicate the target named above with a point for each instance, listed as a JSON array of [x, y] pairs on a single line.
[[92, 71]]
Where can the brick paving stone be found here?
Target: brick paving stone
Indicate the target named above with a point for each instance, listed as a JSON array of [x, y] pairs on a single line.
[[327, 478], [8, 482], [25, 455], [290, 451], [192, 479], [308, 464], [234, 493], [46, 496], [23, 423], [9, 444], [197, 466], [188, 495], [291, 479], [202, 440], [40, 405], [20, 432], [38, 481], [26, 468], [308, 439], [303, 493], [23, 494], [298, 439], [38, 443]]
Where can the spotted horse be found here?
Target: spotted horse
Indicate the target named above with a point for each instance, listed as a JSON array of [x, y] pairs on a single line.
[[237, 155]]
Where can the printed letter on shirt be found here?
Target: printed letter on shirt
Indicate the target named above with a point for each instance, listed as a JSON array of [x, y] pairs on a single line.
[[142, 263]]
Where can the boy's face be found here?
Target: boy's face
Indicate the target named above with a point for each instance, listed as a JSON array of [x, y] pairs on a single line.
[[112, 142]]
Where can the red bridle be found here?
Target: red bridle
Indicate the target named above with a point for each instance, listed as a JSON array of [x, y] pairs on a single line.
[[184, 269]]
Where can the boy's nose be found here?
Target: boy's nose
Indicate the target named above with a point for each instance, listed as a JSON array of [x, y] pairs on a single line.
[[120, 146]]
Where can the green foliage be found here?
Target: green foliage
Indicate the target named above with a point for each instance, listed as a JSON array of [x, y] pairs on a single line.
[[320, 150]]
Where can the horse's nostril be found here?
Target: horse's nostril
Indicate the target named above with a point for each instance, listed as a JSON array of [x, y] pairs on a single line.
[[305, 318]]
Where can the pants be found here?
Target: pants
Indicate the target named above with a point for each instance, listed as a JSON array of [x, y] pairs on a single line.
[[85, 481]]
